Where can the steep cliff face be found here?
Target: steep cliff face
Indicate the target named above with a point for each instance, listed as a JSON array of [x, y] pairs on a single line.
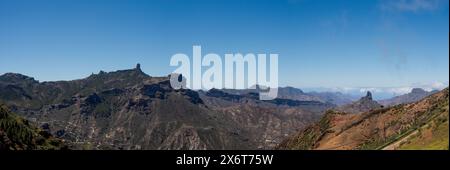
[[387, 128]]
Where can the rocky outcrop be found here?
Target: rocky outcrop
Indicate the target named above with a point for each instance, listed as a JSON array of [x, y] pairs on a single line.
[[364, 104]]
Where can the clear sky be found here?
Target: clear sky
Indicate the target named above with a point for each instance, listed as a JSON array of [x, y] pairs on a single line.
[[321, 43]]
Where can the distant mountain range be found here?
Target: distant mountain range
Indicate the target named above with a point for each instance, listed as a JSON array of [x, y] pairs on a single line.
[[416, 94], [292, 93], [128, 109]]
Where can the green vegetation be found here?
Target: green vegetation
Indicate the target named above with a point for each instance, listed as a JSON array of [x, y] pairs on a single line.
[[17, 133], [436, 117], [379, 143], [435, 136]]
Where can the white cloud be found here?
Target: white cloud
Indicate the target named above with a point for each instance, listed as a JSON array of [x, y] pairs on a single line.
[[411, 5], [438, 85], [432, 86], [388, 90], [371, 89], [405, 89], [340, 89], [399, 90]]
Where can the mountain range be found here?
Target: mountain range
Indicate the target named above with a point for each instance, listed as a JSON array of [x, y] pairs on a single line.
[[336, 98], [128, 109]]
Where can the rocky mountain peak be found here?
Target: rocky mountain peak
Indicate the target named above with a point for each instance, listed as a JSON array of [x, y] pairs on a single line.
[[364, 104], [15, 77], [138, 67], [418, 90], [368, 96]]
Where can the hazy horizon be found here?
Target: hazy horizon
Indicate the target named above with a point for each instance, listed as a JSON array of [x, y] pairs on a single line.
[[390, 45], [379, 93]]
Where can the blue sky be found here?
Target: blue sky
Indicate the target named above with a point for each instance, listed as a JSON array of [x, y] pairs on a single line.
[[321, 43]]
